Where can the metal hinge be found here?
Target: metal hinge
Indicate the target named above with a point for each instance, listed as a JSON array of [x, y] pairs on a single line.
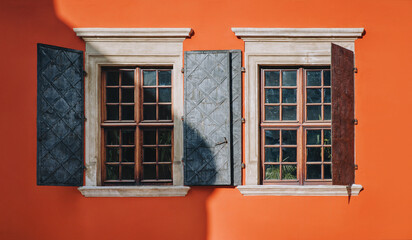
[[182, 70], [84, 73], [243, 120], [243, 165], [183, 118], [355, 70], [356, 166], [355, 121], [243, 69], [84, 168]]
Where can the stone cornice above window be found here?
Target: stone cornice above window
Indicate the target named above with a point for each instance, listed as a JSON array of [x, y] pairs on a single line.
[[133, 32]]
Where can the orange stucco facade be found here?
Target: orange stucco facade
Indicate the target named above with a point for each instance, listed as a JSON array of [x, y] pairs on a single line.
[[383, 209]]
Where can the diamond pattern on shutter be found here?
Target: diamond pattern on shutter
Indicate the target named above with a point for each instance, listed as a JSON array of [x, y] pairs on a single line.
[[59, 116]]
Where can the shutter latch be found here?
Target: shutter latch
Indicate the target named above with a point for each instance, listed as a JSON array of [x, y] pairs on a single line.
[[243, 120], [183, 118], [243, 69], [355, 70], [356, 166], [355, 121], [243, 165], [182, 70]]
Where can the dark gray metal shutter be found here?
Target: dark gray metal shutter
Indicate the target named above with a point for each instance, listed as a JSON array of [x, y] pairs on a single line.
[[60, 116], [212, 122], [343, 112]]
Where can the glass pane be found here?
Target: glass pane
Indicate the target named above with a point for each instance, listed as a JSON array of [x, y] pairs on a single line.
[[165, 171], [112, 172], [289, 172], [127, 95], [149, 78], [112, 137], [112, 112], [313, 137], [326, 78], [314, 112], [271, 95], [314, 154], [272, 172], [327, 171], [327, 140], [289, 95], [128, 112], [272, 137], [314, 95], [149, 171], [128, 172], [112, 154], [128, 154], [271, 154], [112, 79], [112, 95], [149, 154], [149, 137], [165, 78], [165, 112], [289, 78], [327, 154], [288, 112], [128, 78], [313, 78], [289, 154], [326, 95], [327, 111], [271, 113], [149, 112], [288, 137], [165, 154], [149, 95], [271, 78], [165, 94], [165, 137], [313, 171], [127, 137]]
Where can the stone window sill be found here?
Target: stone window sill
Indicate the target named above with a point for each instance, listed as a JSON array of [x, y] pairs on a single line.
[[134, 191], [291, 190]]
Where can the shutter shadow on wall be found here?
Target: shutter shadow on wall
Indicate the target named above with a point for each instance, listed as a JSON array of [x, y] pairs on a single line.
[[212, 121], [343, 113], [59, 116]]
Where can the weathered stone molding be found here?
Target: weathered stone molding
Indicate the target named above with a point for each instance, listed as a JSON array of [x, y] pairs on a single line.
[[296, 190], [134, 191]]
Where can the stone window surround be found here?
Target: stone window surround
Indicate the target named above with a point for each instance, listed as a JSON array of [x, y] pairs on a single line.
[[283, 47], [130, 47]]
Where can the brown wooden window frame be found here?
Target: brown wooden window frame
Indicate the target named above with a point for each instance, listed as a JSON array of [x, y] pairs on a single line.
[[139, 125], [301, 125]]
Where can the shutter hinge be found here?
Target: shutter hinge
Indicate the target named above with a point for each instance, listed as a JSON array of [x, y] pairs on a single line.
[[243, 165], [243, 69], [183, 118], [84, 167], [84, 73], [355, 70], [182, 70], [243, 120], [355, 121], [356, 166]]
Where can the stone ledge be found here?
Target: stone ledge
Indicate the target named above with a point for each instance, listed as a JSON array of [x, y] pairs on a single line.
[[299, 32], [292, 190], [133, 32], [134, 191]]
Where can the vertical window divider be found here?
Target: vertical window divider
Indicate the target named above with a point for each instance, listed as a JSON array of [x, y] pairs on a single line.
[[137, 141]]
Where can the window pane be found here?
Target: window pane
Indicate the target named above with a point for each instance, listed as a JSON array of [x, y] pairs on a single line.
[[112, 112], [165, 171], [127, 95], [128, 172], [313, 78], [272, 95], [326, 78], [128, 78], [112, 79], [149, 95], [112, 95], [271, 78], [289, 78], [289, 154], [327, 154], [289, 137], [127, 137], [128, 154], [288, 112], [327, 140], [314, 95], [314, 112], [271, 113], [326, 95], [112, 154], [327, 171], [272, 137], [313, 171], [149, 78], [149, 137], [128, 112], [165, 78], [149, 171], [272, 172], [271, 154], [165, 154], [165, 112], [313, 137], [165, 94], [112, 172], [149, 112], [289, 95], [112, 137], [289, 171], [165, 137], [314, 154], [149, 154], [327, 112]]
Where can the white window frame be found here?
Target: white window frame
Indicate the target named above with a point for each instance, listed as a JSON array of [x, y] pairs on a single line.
[[284, 47], [130, 47]]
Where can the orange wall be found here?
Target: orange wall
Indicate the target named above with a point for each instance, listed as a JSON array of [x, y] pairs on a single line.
[[383, 106]]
